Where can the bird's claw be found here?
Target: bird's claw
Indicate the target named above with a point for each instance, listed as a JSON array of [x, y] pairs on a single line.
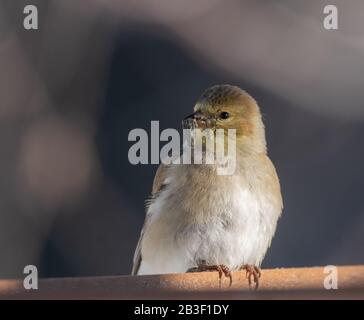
[[252, 271], [220, 268]]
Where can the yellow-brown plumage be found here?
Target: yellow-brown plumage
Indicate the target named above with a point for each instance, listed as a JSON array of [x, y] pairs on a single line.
[[199, 215]]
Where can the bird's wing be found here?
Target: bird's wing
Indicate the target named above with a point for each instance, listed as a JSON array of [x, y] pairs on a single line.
[[159, 179], [158, 183]]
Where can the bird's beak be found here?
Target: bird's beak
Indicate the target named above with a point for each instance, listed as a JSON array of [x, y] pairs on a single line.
[[194, 120], [189, 122], [191, 116]]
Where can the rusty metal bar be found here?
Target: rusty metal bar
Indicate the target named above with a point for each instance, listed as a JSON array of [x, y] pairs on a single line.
[[288, 283]]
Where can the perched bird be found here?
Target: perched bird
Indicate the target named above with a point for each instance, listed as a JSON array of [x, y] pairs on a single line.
[[198, 220]]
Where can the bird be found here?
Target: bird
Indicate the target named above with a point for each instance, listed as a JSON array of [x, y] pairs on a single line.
[[197, 220]]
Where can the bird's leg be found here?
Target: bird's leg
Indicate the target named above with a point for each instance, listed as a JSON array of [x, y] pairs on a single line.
[[252, 271], [220, 268]]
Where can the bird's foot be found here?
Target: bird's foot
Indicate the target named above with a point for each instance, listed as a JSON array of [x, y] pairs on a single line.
[[220, 268], [252, 272]]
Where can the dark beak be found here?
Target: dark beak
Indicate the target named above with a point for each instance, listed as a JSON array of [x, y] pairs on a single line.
[[189, 122], [191, 116], [195, 120]]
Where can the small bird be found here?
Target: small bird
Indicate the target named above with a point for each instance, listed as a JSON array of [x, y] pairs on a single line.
[[198, 220]]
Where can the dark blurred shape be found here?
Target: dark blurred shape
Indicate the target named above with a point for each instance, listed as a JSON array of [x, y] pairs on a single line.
[[56, 162]]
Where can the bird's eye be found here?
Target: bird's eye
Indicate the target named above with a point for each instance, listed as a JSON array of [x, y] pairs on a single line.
[[224, 115]]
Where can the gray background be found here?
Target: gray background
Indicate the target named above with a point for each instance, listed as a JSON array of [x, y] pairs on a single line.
[[71, 91]]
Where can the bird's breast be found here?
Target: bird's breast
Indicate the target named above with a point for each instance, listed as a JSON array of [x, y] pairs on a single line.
[[201, 216]]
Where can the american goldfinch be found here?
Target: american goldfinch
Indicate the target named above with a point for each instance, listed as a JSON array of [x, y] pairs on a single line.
[[198, 220]]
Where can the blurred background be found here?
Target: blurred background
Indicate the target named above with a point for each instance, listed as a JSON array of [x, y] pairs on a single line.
[[70, 92]]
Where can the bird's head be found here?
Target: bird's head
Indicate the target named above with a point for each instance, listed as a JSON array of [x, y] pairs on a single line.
[[229, 107]]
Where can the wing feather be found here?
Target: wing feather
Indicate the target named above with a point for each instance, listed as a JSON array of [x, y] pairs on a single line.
[[158, 183]]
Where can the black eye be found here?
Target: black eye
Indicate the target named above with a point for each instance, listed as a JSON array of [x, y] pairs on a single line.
[[224, 115]]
